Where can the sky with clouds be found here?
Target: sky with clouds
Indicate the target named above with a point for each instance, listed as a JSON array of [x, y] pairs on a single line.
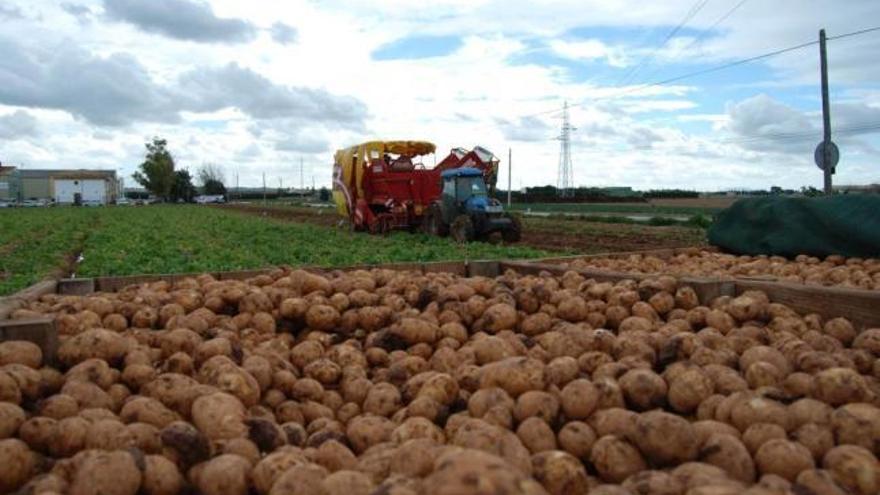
[[254, 87]]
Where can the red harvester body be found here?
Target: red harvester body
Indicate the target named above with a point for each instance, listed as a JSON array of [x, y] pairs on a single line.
[[380, 185]]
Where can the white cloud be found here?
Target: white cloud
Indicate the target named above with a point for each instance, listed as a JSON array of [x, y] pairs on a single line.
[[589, 50], [18, 124], [191, 20], [270, 102]]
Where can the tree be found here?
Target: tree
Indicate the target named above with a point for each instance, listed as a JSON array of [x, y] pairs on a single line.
[[324, 194], [183, 188], [156, 173], [213, 188], [212, 180]]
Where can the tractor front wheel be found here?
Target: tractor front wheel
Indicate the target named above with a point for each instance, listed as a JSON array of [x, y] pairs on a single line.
[[462, 229]]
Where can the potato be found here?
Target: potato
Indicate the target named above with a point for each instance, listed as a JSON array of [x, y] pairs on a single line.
[[818, 481], [305, 479], [348, 483], [615, 459], [665, 438], [759, 410], [758, 434], [536, 435], [560, 473], [382, 399], [106, 472], [335, 456], [542, 405], [322, 317], [579, 399], [652, 483], [19, 464], [838, 386], [188, 444], [219, 416], [643, 388], [147, 410], [414, 458], [226, 474], [480, 435], [783, 458], [160, 477], [415, 427], [689, 389], [515, 375], [857, 424], [21, 352], [271, 467], [95, 343], [854, 468], [11, 418], [458, 471], [728, 452], [9, 389], [367, 430], [818, 439]]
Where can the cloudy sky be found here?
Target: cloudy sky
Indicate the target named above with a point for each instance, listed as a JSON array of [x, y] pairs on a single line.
[[256, 86]]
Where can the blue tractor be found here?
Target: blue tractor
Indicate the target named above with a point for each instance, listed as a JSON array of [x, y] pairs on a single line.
[[467, 212]]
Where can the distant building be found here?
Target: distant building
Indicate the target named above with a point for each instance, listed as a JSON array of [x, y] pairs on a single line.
[[60, 186]]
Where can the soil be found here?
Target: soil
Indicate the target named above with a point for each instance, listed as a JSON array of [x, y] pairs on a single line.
[[564, 236]]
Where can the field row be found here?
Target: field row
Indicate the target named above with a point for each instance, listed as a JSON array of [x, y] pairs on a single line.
[[35, 243]]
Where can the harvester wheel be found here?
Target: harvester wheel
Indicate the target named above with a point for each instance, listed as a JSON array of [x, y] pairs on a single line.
[[514, 233], [433, 223], [462, 229]]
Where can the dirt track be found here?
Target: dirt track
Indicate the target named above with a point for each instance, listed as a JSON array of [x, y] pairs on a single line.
[[568, 236]]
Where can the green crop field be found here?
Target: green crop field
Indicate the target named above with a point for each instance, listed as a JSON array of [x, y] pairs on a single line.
[[35, 243]]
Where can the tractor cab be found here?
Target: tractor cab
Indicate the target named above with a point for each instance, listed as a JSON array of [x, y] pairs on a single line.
[[467, 211], [464, 190]]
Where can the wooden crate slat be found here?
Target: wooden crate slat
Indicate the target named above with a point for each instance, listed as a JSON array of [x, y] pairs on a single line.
[[40, 331], [861, 307]]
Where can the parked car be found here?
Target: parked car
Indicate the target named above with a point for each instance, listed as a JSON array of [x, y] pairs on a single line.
[[210, 199]]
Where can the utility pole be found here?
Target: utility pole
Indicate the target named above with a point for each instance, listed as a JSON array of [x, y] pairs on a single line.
[[264, 188], [302, 183], [237, 190], [509, 176], [828, 167]]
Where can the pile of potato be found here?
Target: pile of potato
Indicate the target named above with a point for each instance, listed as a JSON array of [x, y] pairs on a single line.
[[384, 382], [856, 273]]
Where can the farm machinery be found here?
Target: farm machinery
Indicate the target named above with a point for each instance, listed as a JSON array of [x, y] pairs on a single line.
[[380, 186]]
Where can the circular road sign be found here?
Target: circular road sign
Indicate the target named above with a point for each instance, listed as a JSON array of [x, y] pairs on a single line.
[[833, 156]]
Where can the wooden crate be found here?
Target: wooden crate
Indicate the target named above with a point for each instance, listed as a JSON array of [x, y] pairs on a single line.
[[859, 306]]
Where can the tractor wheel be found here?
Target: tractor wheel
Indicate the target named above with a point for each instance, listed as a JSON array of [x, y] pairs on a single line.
[[514, 233], [462, 229], [433, 223]]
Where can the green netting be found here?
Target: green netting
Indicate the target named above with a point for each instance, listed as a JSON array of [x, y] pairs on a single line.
[[845, 225]]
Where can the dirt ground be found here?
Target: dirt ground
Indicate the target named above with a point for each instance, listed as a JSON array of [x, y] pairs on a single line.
[[564, 236]]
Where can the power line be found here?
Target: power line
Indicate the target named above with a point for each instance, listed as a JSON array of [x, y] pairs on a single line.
[[801, 135], [854, 33], [694, 10], [709, 70], [702, 36]]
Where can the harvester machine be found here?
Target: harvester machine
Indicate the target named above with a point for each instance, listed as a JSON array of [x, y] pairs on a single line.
[[381, 186]]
